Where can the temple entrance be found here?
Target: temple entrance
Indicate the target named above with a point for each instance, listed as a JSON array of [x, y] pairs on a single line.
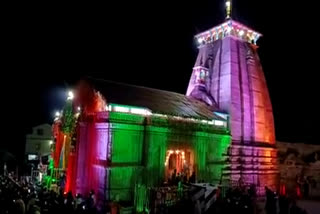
[[179, 165]]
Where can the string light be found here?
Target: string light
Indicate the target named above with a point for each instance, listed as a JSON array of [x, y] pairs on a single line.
[[177, 152]]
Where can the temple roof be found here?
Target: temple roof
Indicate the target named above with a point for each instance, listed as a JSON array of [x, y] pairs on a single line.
[[228, 28], [158, 101]]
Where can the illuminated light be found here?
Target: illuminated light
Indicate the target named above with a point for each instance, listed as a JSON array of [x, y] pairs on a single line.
[[57, 114], [70, 95], [228, 3], [229, 29], [177, 151], [218, 123], [200, 40], [53, 180], [140, 111], [40, 176], [108, 108], [211, 122], [79, 108], [241, 33], [50, 142], [268, 154], [121, 109]]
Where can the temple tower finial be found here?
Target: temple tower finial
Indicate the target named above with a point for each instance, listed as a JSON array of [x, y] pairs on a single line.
[[228, 9]]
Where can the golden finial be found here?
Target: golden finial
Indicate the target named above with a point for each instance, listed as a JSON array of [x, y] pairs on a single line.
[[228, 9]]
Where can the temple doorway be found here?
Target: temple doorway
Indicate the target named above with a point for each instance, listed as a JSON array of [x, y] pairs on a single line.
[[179, 165]]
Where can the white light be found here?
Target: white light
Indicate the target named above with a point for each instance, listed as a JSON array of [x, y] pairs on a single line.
[[229, 29], [241, 33], [40, 176], [57, 114], [70, 95], [121, 109], [200, 40], [108, 108], [140, 111], [218, 123], [50, 142], [79, 108], [228, 4], [210, 122]]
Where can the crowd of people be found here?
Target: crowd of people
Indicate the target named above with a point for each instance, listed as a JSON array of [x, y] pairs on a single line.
[[244, 200], [28, 198]]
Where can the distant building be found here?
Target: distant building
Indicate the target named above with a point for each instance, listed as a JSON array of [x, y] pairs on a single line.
[[38, 143]]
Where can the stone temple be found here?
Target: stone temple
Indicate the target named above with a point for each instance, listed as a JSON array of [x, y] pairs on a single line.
[[112, 136]]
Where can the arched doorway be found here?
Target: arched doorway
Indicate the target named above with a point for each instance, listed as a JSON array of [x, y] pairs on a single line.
[[179, 163]]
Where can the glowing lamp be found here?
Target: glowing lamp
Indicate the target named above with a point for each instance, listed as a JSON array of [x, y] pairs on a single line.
[[200, 40], [70, 95], [57, 114], [241, 33], [50, 142], [228, 4]]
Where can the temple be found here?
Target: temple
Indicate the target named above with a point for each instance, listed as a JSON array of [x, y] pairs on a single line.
[[111, 136]]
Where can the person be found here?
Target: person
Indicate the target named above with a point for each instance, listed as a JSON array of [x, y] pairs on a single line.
[[174, 176], [192, 178], [69, 204], [271, 207], [294, 209], [91, 202], [20, 206], [283, 204], [62, 181], [306, 188]]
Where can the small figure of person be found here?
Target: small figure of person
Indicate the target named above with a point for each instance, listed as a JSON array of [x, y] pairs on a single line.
[[192, 178], [271, 206], [174, 176], [306, 188]]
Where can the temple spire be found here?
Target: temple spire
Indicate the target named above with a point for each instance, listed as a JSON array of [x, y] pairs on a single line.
[[228, 9]]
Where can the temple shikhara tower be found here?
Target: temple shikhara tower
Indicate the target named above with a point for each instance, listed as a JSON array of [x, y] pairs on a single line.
[[228, 76]]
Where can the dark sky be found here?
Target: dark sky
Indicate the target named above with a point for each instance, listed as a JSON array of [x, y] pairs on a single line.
[[46, 48]]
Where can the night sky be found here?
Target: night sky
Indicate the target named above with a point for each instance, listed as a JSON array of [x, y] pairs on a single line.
[[47, 48]]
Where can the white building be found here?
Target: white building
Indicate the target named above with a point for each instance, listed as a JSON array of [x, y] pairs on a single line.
[[38, 143]]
